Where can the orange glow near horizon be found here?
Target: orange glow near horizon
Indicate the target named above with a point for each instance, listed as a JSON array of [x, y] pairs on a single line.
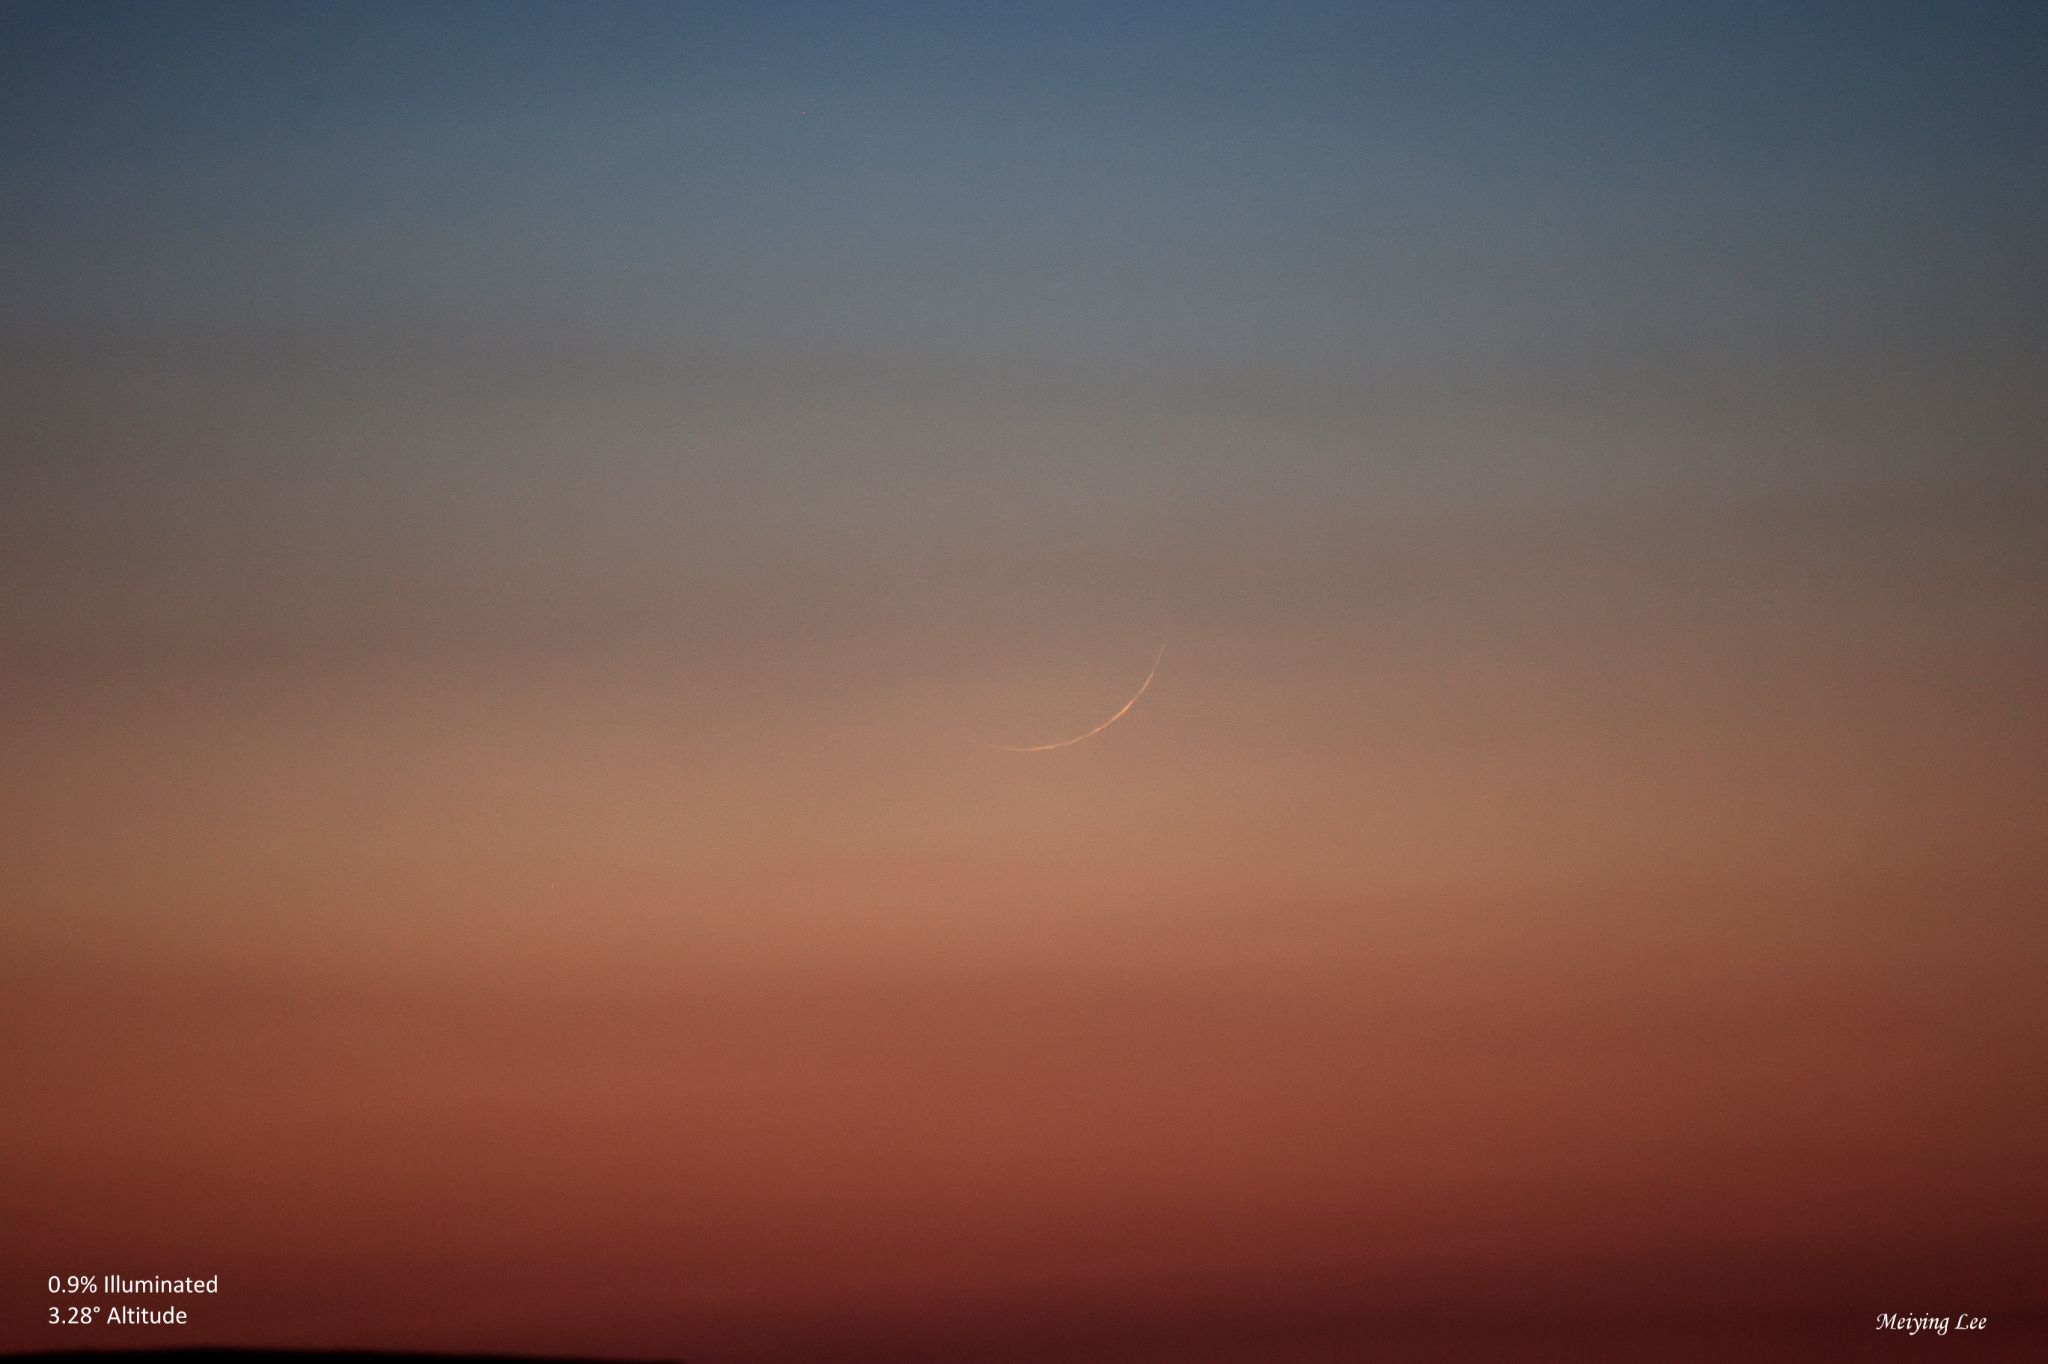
[[547, 552]]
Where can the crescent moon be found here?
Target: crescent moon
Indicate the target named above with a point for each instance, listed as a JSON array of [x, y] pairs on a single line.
[[1121, 712]]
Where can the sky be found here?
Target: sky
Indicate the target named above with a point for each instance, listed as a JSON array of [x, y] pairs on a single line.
[[524, 530]]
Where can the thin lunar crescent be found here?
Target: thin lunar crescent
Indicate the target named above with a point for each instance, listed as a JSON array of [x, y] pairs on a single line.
[[1121, 712]]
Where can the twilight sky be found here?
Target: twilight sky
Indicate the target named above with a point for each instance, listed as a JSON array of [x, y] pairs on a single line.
[[520, 525]]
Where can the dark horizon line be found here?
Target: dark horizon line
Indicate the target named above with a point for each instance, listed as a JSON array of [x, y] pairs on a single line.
[[293, 1352]]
